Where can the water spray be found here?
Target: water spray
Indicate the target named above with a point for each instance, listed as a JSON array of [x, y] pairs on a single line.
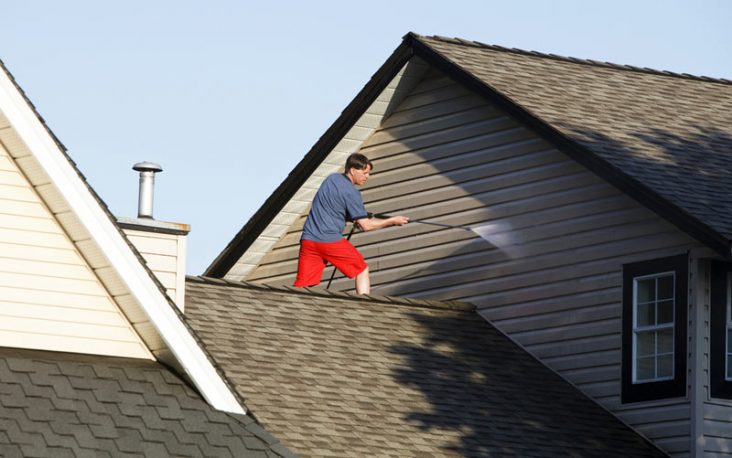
[[498, 233]]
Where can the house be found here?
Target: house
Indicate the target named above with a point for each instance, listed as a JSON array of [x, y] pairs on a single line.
[[95, 358], [597, 195]]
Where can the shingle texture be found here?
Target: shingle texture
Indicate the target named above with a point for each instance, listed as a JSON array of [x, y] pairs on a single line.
[[337, 375], [673, 133], [62, 405]]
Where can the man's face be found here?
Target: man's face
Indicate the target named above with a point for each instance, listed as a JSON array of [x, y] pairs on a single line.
[[360, 176]]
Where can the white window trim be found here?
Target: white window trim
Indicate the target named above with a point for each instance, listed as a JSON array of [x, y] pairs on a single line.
[[637, 329]]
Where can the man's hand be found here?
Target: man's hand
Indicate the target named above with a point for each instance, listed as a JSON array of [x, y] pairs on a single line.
[[398, 220], [370, 224]]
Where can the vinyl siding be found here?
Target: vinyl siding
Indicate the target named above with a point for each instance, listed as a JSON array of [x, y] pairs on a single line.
[[717, 428], [165, 256], [50, 298], [550, 274]]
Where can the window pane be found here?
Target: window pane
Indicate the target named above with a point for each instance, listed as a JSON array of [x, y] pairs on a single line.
[[729, 367], [645, 368], [666, 312], [666, 341], [646, 291], [666, 287], [646, 314], [729, 340], [646, 343], [665, 366]]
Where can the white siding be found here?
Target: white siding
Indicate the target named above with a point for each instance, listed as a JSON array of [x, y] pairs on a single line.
[[165, 256], [50, 299], [550, 274]]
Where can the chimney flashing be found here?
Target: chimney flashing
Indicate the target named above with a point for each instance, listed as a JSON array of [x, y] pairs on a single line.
[[153, 225]]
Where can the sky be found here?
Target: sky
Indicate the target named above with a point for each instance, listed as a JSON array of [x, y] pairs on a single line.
[[228, 96]]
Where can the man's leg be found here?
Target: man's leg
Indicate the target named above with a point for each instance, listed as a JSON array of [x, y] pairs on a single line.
[[346, 258], [363, 282], [310, 265]]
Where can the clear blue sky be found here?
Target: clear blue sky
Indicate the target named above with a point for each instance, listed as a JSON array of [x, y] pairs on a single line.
[[229, 95]]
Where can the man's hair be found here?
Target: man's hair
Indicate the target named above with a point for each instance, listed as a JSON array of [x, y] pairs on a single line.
[[358, 161]]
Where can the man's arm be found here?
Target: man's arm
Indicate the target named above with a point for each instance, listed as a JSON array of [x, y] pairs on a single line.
[[371, 224]]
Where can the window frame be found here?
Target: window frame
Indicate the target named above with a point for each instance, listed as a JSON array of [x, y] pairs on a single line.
[[720, 324], [633, 390]]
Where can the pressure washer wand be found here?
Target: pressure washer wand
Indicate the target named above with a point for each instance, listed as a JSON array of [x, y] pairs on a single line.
[[422, 221]]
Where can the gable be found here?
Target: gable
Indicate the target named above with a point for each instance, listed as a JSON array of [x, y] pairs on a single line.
[[92, 230], [621, 123], [50, 299], [449, 156]]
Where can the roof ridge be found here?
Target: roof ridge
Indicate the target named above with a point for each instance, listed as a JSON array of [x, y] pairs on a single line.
[[394, 300], [575, 60]]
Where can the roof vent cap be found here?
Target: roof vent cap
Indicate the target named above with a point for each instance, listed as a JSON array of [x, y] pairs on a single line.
[[147, 187]]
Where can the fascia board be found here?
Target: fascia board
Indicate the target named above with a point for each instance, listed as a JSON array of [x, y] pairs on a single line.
[[99, 224]]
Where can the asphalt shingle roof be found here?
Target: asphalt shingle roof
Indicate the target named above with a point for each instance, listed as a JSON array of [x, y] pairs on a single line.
[[332, 374], [65, 405], [671, 132]]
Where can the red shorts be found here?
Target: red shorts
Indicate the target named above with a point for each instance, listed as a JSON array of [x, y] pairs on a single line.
[[314, 256]]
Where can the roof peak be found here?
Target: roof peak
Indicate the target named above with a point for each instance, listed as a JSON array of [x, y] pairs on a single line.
[[596, 63], [394, 300]]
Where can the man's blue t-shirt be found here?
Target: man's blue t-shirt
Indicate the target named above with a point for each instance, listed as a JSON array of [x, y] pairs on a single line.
[[336, 202]]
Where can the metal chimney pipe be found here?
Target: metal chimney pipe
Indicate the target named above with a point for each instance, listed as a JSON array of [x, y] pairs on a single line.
[[147, 185]]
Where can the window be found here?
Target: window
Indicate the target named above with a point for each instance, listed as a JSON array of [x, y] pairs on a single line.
[[720, 351], [654, 329]]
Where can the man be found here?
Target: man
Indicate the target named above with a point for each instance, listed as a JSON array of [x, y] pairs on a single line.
[[336, 202]]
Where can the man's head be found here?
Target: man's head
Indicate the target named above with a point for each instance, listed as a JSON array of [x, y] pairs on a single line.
[[358, 168]]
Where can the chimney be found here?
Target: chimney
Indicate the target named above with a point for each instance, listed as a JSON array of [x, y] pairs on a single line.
[[162, 244]]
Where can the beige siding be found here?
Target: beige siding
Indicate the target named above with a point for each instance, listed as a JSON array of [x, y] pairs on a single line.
[[165, 256], [548, 271], [50, 299]]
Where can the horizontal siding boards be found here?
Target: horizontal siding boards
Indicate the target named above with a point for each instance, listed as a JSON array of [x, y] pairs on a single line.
[[550, 273], [718, 428], [50, 299], [161, 252], [666, 423]]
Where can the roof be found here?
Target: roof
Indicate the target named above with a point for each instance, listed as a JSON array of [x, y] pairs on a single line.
[[333, 374], [62, 404], [663, 138]]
